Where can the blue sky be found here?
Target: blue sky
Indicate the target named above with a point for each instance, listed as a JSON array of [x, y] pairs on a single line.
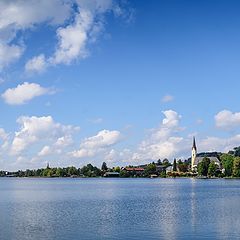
[[124, 82]]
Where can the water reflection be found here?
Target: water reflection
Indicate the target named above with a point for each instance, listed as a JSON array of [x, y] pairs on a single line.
[[193, 204], [168, 210], [119, 209]]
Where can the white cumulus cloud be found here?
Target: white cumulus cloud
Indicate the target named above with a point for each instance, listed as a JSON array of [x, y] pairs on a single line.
[[9, 53], [227, 120], [45, 151], [64, 141], [41, 139], [20, 15], [98, 143], [163, 142], [37, 129], [86, 24], [73, 39], [24, 93], [36, 64], [77, 23]]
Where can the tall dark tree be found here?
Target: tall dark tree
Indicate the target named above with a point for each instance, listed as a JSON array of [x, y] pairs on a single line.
[[175, 165], [104, 167], [159, 162]]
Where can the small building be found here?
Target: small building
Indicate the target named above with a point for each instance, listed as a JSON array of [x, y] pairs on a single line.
[[134, 169], [160, 168], [111, 174], [169, 169]]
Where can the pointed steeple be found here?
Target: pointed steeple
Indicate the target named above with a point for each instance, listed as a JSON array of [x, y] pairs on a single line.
[[194, 144], [194, 154]]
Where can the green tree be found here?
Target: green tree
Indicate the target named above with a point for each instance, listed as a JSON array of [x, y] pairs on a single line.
[[84, 170], [124, 174], [203, 167], [163, 174], [90, 171], [39, 172], [59, 172], [97, 171], [47, 172], [179, 162], [182, 166], [159, 162], [212, 168], [72, 171], [227, 163], [150, 169], [117, 169], [237, 151], [28, 173], [236, 167], [166, 162], [90, 167]]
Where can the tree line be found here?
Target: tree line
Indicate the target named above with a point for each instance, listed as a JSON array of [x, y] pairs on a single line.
[[88, 171], [230, 167]]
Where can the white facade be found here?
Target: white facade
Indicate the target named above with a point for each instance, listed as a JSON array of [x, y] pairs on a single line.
[[194, 154]]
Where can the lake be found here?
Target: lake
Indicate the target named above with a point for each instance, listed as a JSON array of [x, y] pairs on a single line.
[[64, 208]]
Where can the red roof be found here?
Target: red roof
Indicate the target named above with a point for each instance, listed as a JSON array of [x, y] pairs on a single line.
[[134, 169]]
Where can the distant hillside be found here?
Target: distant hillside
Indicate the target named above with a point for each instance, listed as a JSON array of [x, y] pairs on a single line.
[[235, 152], [209, 154]]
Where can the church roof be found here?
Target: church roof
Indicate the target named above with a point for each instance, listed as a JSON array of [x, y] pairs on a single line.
[[212, 159]]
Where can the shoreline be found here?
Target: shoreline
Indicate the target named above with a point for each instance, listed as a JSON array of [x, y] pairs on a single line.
[[197, 178]]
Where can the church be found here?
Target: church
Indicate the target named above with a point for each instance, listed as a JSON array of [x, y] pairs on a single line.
[[195, 159]]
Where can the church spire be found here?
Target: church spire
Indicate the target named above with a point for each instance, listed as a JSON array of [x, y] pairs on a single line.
[[194, 144], [194, 154]]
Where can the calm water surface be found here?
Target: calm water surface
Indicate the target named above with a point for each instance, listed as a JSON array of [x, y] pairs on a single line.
[[62, 209]]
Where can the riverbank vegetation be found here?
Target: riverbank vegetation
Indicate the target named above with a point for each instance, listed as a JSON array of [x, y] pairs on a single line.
[[229, 168]]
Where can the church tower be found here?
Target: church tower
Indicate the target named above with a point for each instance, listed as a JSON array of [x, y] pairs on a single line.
[[194, 153]]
